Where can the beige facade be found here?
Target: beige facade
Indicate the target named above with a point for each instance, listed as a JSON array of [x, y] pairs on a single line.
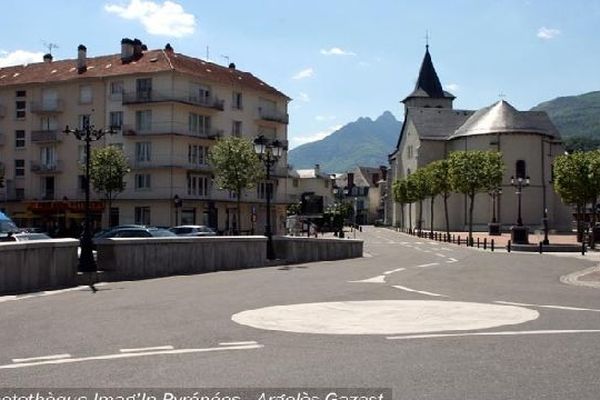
[[311, 181], [168, 110]]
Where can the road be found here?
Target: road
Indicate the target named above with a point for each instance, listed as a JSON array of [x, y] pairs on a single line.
[[430, 320]]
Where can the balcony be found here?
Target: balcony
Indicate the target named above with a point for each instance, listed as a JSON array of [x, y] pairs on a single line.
[[273, 116], [170, 128], [47, 106], [46, 136], [178, 162], [210, 102], [39, 167]]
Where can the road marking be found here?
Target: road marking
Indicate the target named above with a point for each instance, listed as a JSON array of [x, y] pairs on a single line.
[[510, 303], [128, 355], [237, 343], [451, 260], [440, 255], [4, 299], [394, 270], [504, 333], [52, 357], [426, 251], [146, 349], [445, 248], [427, 265], [419, 291], [375, 279], [367, 255]]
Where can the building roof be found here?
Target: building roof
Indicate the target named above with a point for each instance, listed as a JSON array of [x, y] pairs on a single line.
[[501, 117], [309, 174], [151, 61], [428, 84], [435, 123]]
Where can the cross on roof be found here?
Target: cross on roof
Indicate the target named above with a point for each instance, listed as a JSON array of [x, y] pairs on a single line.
[[427, 39]]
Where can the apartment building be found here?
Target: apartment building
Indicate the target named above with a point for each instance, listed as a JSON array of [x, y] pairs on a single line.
[[168, 110]]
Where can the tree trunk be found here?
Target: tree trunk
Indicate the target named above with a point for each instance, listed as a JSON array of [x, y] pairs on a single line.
[[402, 216], [239, 213], [593, 223], [409, 216], [471, 206], [578, 221], [431, 214], [109, 204], [446, 212], [420, 221]]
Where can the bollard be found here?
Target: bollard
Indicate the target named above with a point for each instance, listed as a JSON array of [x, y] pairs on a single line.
[[492, 245], [458, 240], [477, 242], [485, 243], [508, 246], [540, 249], [583, 248]]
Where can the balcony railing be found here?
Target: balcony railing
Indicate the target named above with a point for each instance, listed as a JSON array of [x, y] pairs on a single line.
[[46, 136], [273, 115], [170, 162], [154, 96], [47, 106], [52, 167], [171, 128]]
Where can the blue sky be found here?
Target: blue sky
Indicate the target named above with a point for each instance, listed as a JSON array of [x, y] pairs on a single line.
[[340, 59]]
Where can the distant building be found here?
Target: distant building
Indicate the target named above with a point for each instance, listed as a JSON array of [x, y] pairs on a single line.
[[168, 108], [364, 188], [309, 182], [432, 129]]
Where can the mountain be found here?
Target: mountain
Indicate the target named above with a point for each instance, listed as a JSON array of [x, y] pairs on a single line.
[[575, 115], [363, 142]]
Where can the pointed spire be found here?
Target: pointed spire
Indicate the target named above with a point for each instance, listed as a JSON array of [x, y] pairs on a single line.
[[428, 80]]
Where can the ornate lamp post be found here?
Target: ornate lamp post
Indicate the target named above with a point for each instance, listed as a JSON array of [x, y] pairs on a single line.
[[88, 134], [494, 226], [519, 233], [269, 153], [177, 202]]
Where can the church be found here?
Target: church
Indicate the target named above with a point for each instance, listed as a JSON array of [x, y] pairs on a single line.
[[432, 129]]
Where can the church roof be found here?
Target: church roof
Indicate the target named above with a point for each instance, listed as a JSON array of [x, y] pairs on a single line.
[[501, 117], [428, 84], [436, 123]]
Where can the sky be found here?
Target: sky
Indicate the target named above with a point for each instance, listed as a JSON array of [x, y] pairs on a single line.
[[339, 59]]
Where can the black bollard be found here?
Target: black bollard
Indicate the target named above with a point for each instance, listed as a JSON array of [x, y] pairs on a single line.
[[477, 242], [583, 248], [485, 243], [508, 246], [492, 245], [458, 240], [540, 247]]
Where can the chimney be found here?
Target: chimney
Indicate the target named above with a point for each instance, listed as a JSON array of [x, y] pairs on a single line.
[[47, 58], [81, 56], [384, 171], [169, 48], [350, 180], [231, 66], [317, 169], [126, 50], [137, 49]]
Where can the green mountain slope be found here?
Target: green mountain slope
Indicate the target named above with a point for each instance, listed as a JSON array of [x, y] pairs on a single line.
[[363, 142], [575, 115]]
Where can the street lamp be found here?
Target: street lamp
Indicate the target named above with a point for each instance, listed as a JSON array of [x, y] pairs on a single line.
[[88, 134], [177, 202], [494, 226], [269, 153], [519, 233]]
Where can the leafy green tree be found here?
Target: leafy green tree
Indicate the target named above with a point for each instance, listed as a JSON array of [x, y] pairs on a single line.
[[237, 167], [471, 172], [440, 186], [108, 167], [400, 196], [418, 190]]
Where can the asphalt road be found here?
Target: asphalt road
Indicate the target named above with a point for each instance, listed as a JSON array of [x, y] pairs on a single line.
[[430, 320]]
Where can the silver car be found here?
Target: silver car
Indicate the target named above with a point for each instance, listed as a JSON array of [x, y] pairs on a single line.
[[193, 230]]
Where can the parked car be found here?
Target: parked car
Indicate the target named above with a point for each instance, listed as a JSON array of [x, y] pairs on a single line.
[[23, 237], [136, 232], [106, 232], [6, 224], [193, 230]]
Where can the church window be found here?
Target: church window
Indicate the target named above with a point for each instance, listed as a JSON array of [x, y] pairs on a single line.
[[520, 169], [409, 152]]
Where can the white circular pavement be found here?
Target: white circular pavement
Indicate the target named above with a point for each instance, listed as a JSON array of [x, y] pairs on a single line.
[[383, 317]]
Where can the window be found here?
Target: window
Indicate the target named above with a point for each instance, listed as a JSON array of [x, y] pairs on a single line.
[[295, 183], [81, 183], [197, 155], [48, 156], [84, 121], [116, 119], [199, 93], [188, 216], [236, 128], [19, 167], [143, 151], [143, 120], [142, 215], [143, 88], [199, 124], [21, 93], [19, 139], [116, 88], [20, 107], [81, 154], [409, 152], [237, 101], [326, 184], [48, 123], [142, 182], [521, 170], [113, 217], [85, 94], [197, 185], [262, 188], [20, 193]]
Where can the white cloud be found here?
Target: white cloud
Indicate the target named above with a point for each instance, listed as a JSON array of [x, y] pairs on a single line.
[[454, 87], [296, 141], [547, 33], [19, 57], [325, 117], [336, 51], [305, 73], [304, 97], [166, 19]]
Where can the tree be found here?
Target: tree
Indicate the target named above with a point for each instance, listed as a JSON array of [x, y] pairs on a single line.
[[237, 167], [440, 185], [108, 167], [418, 190], [400, 196], [471, 172]]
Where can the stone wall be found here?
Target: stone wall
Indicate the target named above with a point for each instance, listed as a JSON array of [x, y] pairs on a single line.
[[37, 265], [300, 250]]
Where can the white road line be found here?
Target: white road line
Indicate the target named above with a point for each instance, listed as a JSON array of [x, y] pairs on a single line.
[[510, 303], [445, 248], [426, 251], [451, 260], [394, 270], [129, 355], [419, 291], [4, 299], [426, 265], [375, 279], [367, 255], [440, 255], [147, 349], [52, 357], [504, 333], [237, 343]]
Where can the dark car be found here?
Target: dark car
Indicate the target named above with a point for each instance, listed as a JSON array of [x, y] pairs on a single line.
[[107, 232], [136, 232], [193, 230], [23, 237]]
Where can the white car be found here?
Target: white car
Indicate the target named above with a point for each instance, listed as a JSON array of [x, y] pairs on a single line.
[[193, 230]]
